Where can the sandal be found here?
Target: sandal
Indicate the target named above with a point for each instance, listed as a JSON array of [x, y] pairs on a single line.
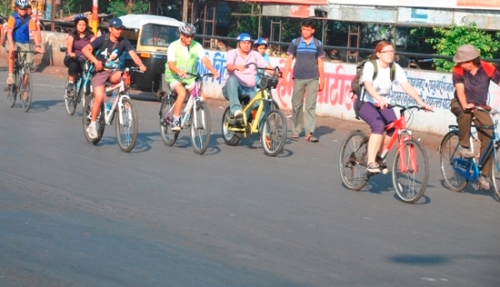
[[311, 138]]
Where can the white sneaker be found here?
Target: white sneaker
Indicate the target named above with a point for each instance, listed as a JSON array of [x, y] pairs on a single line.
[[238, 114], [176, 127], [484, 182], [465, 152], [92, 131], [10, 79]]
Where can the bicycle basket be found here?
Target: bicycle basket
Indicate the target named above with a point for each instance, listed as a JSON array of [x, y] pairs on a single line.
[[269, 82]]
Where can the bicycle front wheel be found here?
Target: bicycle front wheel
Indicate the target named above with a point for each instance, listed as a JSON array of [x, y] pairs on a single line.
[[166, 119], [410, 171], [448, 152], [86, 116], [200, 128], [273, 135], [26, 90], [127, 125], [353, 160]]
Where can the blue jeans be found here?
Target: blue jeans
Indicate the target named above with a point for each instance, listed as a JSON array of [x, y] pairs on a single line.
[[232, 90]]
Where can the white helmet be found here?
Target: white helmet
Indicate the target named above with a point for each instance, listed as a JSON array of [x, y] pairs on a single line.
[[22, 4], [187, 29]]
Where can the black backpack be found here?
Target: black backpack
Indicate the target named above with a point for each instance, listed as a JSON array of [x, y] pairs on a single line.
[[358, 90]]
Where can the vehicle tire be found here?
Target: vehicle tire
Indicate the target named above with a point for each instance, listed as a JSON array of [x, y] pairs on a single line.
[[127, 125], [89, 100], [166, 118], [26, 94], [273, 133], [410, 171], [201, 128], [447, 150], [495, 177], [70, 102], [353, 160], [230, 137]]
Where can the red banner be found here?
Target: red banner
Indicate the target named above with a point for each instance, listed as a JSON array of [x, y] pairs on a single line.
[[291, 2]]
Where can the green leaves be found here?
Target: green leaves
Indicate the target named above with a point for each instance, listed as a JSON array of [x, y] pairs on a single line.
[[121, 7]]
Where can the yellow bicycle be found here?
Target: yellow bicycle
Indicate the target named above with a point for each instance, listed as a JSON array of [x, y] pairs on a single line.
[[266, 120]]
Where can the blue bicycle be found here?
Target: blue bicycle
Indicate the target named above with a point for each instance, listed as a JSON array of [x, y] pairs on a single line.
[[458, 171], [81, 89]]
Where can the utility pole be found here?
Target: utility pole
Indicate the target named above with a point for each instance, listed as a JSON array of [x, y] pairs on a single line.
[[94, 21], [52, 15], [185, 8]]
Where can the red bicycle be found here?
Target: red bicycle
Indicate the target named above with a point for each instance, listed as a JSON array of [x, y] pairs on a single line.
[[410, 169]]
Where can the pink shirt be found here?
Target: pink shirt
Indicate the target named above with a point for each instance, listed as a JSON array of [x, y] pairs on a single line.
[[247, 78]]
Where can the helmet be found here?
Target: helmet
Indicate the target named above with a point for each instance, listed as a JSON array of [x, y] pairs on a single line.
[[22, 4], [187, 29], [243, 37], [79, 17], [259, 42]]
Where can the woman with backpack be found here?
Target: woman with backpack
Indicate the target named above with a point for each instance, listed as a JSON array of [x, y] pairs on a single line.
[[76, 40], [377, 77]]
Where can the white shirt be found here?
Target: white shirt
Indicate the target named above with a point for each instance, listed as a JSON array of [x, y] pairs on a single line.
[[382, 83]]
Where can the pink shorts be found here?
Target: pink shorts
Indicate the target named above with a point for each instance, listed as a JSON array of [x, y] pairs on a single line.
[[100, 78]]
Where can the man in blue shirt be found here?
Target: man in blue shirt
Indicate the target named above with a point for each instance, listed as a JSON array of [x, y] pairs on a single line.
[[308, 74]]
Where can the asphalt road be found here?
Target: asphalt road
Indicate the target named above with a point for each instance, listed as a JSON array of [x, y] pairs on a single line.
[[73, 214]]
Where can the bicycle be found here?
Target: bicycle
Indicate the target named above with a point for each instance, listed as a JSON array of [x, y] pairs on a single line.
[[266, 120], [82, 88], [22, 82], [199, 122], [410, 168], [126, 126], [458, 171]]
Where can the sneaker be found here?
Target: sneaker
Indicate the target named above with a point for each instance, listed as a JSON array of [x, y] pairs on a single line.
[[176, 125], [10, 80], [373, 168], [92, 130], [484, 182], [465, 152], [383, 165], [70, 86], [238, 114]]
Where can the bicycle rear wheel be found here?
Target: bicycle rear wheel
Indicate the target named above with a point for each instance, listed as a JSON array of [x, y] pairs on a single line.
[[230, 137], [166, 119], [127, 125], [410, 171], [273, 135], [448, 151], [201, 128], [89, 101], [353, 161], [12, 91], [70, 100], [26, 90]]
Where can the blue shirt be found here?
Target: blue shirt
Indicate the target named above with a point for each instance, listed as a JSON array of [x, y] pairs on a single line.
[[306, 58]]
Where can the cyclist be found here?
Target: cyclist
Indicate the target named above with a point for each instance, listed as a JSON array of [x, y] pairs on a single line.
[[242, 79], [471, 78], [107, 62], [182, 55], [76, 40], [374, 110], [19, 27]]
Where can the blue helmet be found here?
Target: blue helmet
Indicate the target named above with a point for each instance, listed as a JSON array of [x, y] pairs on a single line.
[[260, 41], [243, 37], [80, 17]]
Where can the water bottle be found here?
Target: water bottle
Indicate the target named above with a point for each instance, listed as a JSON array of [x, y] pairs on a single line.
[[110, 101]]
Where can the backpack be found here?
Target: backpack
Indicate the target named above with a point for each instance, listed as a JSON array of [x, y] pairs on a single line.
[[358, 89], [296, 42]]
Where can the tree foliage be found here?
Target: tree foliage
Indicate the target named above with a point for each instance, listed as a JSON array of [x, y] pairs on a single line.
[[448, 40], [120, 7]]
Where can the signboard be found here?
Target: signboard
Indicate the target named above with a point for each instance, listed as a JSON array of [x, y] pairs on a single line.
[[448, 4], [290, 2]]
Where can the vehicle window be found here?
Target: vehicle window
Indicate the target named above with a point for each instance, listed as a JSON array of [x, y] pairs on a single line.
[[158, 35]]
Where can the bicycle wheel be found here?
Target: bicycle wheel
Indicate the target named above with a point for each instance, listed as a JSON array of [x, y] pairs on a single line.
[[495, 177], [201, 128], [230, 137], [127, 125], [273, 135], [26, 90], [70, 100], [410, 171], [12, 91], [89, 100], [448, 148], [353, 161], [166, 119]]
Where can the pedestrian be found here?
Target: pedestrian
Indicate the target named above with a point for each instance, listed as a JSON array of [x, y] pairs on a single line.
[[471, 78], [308, 75]]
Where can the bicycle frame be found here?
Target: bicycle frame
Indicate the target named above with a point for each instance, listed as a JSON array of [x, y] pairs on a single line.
[[262, 96], [120, 87]]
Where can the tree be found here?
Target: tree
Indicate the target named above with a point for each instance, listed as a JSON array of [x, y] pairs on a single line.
[[120, 7], [449, 39]]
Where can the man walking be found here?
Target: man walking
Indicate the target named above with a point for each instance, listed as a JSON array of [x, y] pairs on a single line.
[[308, 75]]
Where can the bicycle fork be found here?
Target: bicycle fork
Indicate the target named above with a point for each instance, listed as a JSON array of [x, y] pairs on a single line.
[[403, 166]]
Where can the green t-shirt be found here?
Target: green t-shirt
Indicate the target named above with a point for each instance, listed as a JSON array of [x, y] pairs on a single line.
[[184, 58]]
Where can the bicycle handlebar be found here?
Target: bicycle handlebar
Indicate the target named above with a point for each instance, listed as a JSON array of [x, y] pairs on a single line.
[[276, 69], [199, 76]]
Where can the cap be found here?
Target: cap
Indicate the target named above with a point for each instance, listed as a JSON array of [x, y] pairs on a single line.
[[116, 23]]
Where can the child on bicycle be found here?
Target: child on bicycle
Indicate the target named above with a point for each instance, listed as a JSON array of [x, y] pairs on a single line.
[[19, 27], [182, 55], [471, 78], [76, 40], [374, 108]]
